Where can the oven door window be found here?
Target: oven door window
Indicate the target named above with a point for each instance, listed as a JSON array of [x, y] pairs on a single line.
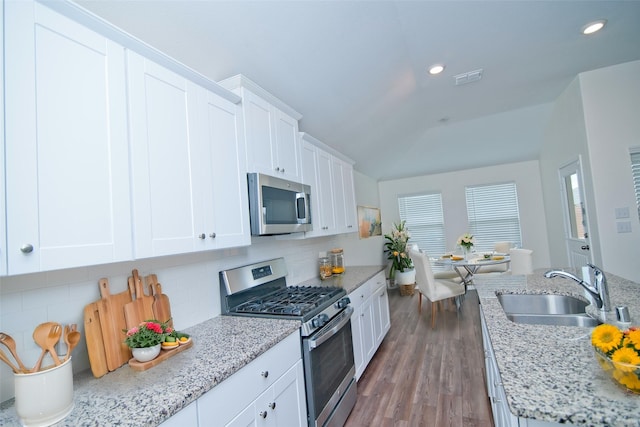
[[329, 364]]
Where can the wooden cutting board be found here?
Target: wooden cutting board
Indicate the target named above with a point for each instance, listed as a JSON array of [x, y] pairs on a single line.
[[161, 304], [95, 343], [141, 308], [112, 321]]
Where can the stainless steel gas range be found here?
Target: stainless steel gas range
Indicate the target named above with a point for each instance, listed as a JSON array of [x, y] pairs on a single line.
[[260, 290]]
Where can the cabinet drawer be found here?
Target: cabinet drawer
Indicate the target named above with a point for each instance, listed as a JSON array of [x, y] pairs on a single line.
[[231, 396], [360, 295]]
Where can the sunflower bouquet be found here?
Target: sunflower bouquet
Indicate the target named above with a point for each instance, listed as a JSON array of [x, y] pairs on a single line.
[[618, 353]]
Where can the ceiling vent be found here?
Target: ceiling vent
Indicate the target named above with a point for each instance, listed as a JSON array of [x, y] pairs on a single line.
[[469, 77]]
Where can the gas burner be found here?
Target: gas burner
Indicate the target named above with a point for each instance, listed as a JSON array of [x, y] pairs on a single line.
[[290, 301]]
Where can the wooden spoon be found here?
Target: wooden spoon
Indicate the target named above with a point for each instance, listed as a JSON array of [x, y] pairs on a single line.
[[6, 360], [8, 341], [46, 335], [73, 338]]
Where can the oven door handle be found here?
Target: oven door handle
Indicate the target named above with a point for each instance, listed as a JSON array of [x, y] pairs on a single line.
[[331, 328]]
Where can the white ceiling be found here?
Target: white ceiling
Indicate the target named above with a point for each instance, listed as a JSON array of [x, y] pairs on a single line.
[[356, 72]]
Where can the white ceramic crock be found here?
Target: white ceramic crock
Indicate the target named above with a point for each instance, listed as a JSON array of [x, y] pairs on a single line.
[[45, 397]]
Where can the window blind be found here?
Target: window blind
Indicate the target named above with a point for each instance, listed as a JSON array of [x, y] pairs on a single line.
[[425, 221], [635, 171], [493, 215]]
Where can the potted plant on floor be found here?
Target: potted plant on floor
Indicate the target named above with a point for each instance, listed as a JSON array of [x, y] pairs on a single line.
[[401, 272]]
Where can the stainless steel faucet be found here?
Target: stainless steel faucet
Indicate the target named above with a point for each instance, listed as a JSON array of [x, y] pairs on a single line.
[[599, 292]]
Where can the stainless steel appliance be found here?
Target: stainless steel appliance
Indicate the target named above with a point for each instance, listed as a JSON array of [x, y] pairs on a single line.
[[260, 290], [278, 206]]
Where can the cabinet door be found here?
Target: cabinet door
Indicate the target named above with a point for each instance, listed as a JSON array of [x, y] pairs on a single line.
[[260, 133], [287, 147], [344, 196], [67, 173], [358, 350], [350, 210], [187, 417], [162, 122], [383, 319], [3, 229], [316, 171], [368, 328], [221, 186], [283, 404]]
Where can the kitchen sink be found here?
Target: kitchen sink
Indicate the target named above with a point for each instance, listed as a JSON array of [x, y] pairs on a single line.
[[557, 310]]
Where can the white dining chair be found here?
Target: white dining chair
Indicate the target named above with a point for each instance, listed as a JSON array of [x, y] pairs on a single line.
[[433, 289], [501, 248], [521, 261]]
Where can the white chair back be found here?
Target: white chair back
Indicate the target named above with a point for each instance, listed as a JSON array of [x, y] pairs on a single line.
[[521, 261], [424, 273], [502, 247]]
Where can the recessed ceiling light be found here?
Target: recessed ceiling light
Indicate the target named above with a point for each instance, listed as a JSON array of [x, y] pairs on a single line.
[[436, 69], [594, 26]]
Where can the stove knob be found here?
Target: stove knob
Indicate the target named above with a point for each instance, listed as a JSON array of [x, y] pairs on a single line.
[[320, 321], [343, 302]]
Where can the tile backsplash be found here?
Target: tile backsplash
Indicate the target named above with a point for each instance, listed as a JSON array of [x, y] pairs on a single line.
[[190, 281]]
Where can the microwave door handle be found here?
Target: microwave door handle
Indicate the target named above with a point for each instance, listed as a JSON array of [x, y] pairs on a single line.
[[305, 201]]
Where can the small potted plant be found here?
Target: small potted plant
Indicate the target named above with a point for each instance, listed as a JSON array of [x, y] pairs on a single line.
[[401, 272], [145, 340]]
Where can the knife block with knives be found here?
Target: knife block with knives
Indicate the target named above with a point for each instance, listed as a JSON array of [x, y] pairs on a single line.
[[105, 319]]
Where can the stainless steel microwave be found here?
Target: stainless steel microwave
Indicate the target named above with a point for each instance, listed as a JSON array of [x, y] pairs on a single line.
[[278, 206]]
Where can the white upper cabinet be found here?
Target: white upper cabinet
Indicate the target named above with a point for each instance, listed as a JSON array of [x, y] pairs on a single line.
[[333, 208], [3, 223], [164, 150], [344, 196], [67, 165], [222, 185], [271, 131], [188, 173], [316, 172]]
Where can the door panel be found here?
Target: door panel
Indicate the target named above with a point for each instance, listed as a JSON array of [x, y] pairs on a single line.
[[575, 215]]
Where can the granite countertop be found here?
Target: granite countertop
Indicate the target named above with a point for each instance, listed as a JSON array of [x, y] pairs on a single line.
[[550, 373], [350, 280], [124, 397]]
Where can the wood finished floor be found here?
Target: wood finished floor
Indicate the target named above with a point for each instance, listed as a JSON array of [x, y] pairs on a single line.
[[426, 377]]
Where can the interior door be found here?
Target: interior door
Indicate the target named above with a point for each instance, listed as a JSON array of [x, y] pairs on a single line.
[[575, 215]]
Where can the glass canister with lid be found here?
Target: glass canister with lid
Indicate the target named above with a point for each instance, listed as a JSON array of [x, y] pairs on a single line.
[[337, 261], [325, 267]]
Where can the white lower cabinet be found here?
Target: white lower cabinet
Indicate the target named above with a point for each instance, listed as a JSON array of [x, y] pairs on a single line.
[[502, 415], [269, 391], [370, 321]]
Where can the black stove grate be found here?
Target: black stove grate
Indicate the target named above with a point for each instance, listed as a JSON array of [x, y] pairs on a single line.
[[290, 301]]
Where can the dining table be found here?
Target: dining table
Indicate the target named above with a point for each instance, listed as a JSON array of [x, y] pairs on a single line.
[[467, 267]]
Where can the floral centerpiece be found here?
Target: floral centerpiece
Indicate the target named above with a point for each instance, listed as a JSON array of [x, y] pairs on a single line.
[[466, 241], [396, 249], [618, 353]]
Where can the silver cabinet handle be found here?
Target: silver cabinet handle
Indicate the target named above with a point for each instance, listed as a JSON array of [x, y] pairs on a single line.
[[272, 405], [277, 169], [263, 414], [282, 170], [201, 236], [265, 374], [212, 235], [26, 248]]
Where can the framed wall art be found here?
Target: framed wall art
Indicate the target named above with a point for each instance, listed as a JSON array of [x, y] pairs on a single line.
[[369, 222]]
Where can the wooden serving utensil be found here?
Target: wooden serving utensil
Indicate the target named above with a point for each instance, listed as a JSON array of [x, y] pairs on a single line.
[[10, 343], [72, 338], [6, 360], [46, 335]]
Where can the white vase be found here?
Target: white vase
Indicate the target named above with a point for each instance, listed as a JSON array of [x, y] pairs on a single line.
[[406, 277], [147, 353]]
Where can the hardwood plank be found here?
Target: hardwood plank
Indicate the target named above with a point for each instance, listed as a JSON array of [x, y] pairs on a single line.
[[426, 377]]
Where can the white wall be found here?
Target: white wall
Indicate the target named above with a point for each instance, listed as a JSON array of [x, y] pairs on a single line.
[[610, 98], [452, 185], [596, 118]]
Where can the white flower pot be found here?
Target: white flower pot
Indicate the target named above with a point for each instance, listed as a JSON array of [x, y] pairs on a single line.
[[147, 353], [406, 277]]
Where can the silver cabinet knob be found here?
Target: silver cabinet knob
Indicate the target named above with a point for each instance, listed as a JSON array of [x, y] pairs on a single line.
[[212, 235], [201, 236], [26, 248], [282, 170], [277, 169], [265, 374], [263, 414], [272, 405]]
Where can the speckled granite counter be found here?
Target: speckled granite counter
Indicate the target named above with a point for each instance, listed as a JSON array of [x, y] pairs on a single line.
[[352, 278], [125, 397], [549, 373]]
